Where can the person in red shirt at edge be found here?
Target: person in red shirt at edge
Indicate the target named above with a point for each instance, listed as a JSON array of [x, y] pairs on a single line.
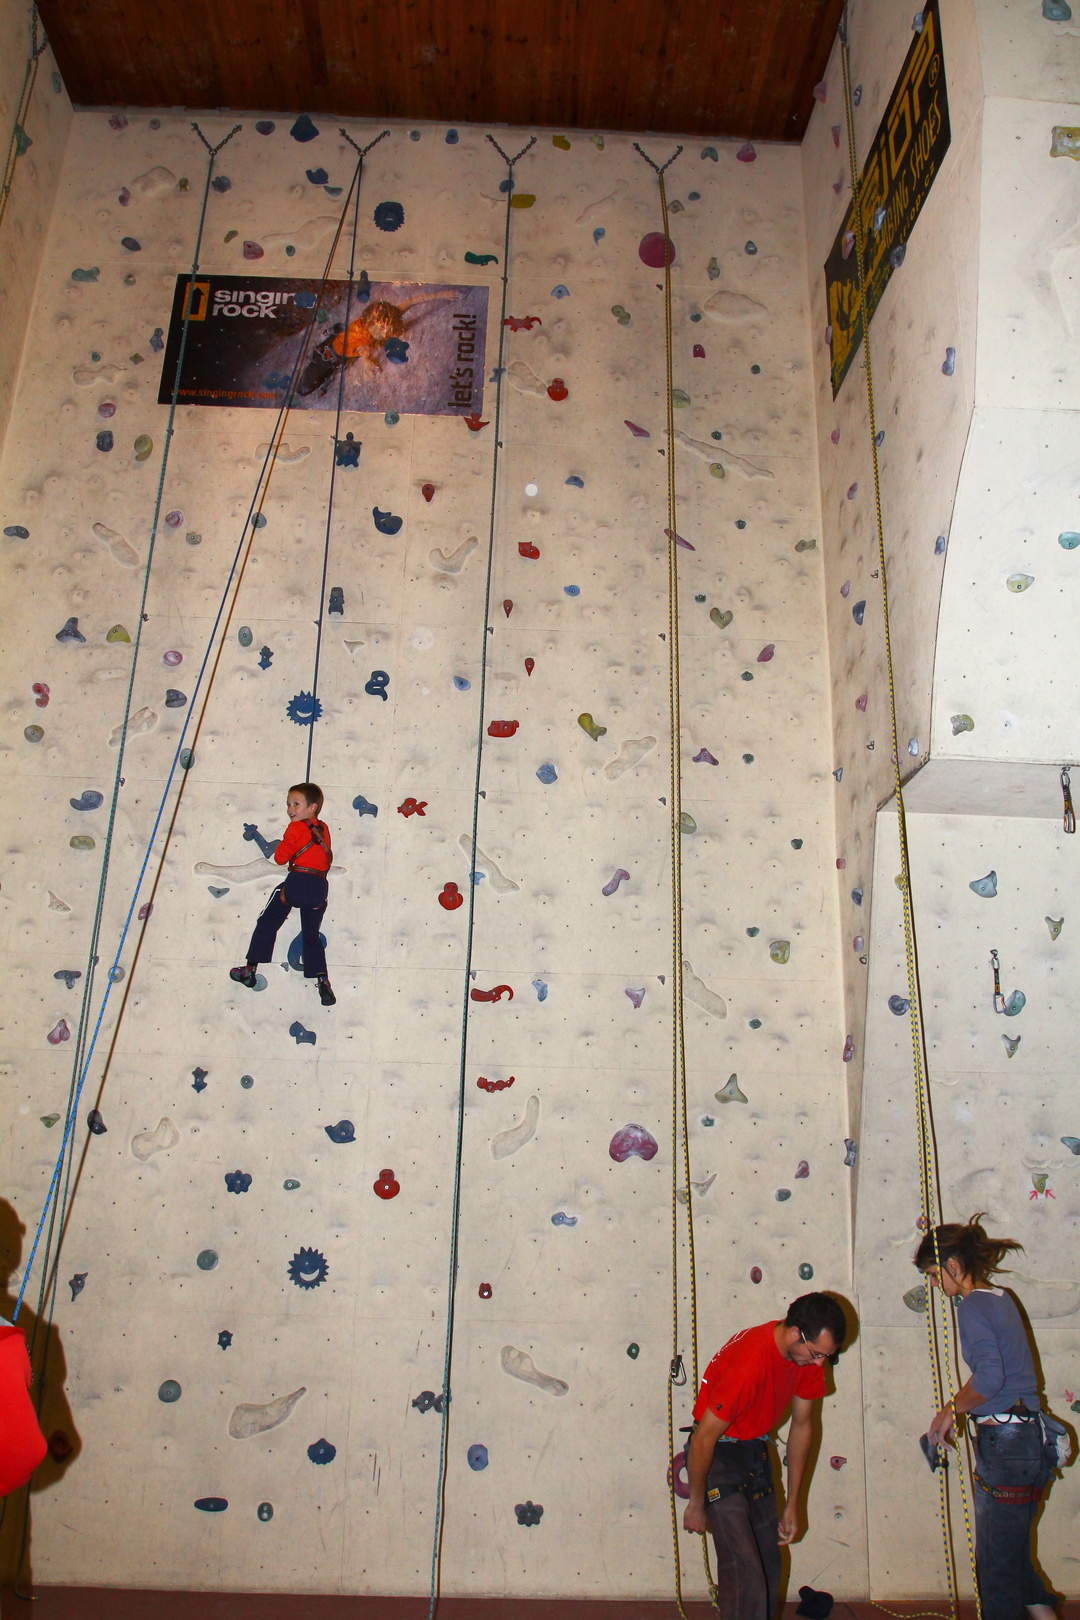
[[746, 1390], [306, 848]]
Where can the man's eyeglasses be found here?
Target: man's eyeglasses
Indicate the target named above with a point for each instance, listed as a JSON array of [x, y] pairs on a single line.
[[819, 1356]]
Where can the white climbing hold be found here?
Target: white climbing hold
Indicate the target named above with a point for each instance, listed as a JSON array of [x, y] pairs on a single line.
[[122, 551], [732, 306], [519, 1364], [699, 993], [248, 1419], [722, 458], [484, 863], [524, 378], [508, 1142], [631, 753], [142, 721], [154, 183], [55, 902], [164, 1136], [285, 452], [455, 561]]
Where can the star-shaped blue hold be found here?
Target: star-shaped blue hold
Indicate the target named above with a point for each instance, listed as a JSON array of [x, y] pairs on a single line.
[[224, 1338], [347, 451]]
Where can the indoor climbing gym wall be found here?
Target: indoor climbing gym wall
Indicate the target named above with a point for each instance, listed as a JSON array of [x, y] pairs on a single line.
[[438, 586], [976, 383]]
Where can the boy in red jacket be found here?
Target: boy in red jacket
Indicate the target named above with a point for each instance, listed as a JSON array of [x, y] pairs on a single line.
[[306, 849]]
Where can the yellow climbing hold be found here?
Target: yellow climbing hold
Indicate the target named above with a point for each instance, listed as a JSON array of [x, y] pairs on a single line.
[[231, 236], [144, 447], [81, 841], [118, 633], [587, 723], [780, 951], [598, 142], [561, 142], [522, 199], [717, 469]]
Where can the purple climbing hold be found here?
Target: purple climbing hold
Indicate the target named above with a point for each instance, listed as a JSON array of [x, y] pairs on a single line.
[[746, 153], [95, 1123], [635, 997], [302, 1036], [849, 1049], [59, 1033], [703, 757], [619, 876], [803, 1170], [656, 250], [303, 129], [633, 1142], [77, 1284], [70, 632], [948, 365], [765, 656]]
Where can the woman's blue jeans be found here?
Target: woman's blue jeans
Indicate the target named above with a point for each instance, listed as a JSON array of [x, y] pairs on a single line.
[[1007, 1454]]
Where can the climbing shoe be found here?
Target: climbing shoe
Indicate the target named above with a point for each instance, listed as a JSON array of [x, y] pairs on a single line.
[[244, 975], [326, 994]]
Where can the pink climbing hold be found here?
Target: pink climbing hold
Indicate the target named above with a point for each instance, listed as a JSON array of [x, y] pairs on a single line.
[[703, 757], [837, 1463], [171, 659], [59, 1033], [633, 1142], [746, 153], [252, 250], [656, 250], [820, 90], [849, 1049], [803, 1171], [841, 863], [638, 432], [861, 702], [145, 911], [40, 690], [699, 352], [676, 1476], [678, 539], [853, 490], [836, 134], [620, 875], [765, 656], [635, 997], [835, 435]]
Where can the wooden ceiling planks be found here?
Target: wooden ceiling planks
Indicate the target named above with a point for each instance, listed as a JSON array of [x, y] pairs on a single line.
[[695, 67]]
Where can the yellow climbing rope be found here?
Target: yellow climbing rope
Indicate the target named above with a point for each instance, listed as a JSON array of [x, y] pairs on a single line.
[[939, 1344], [680, 1136]]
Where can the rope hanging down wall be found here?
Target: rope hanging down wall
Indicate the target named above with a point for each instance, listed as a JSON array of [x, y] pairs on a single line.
[[939, 1345], [183, 760], [19, 141], [680, 1136], [487, 629]]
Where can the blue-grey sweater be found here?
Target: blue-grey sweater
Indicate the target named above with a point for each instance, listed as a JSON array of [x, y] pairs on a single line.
[[995, 1347]]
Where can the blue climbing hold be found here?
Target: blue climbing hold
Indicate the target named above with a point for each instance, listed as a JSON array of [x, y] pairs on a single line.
[[547, 774], [461, 683], [478, 1458], [541, 989], [322, 1452], [1068, 540], [224, 1339], [337, 600], [560, 1219], [258, 521], [305, 300], [452, 137], [16, 531], [206, 1259], [575, 482], [572, 590], [985, 887], [364, 807], [304, 709], [198, 1081], [221, 182], [347, 451], [265, 656], [89, 799], [318, 177], [212, 1504], [389, 216], [70, 632], [386, 522], [363, 288], [851, 1151], [710, 152], [238, 1181], [303, 129], [397, 350], [343, 1131], [858, 612], [105, 440], [302, 1036], [939, 546], [599, 234], [376, 686], [308, 1268], [252, 835], [174, 698], [899, 1005], [391, 418], [560, 291], [857, 896]]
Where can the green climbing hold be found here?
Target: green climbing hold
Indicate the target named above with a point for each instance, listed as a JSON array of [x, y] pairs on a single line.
[[247, 1081], [687, 824], [187, 759], [144, 447], [481, 258], [49, 1120], [716, 468], [961, 722], [587, 723], [721, 620], [33, 734], [620, 314], [915, 1298], [633, 1351], [1055, 925], [291, 1185], [680, 398], [806, 1271]]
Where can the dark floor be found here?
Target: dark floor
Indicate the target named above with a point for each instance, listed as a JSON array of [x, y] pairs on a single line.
[[111, 1603]]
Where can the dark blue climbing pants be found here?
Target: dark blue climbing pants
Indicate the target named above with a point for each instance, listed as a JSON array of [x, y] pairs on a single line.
[[1009, 1454], [308, 890], [740, 1505]]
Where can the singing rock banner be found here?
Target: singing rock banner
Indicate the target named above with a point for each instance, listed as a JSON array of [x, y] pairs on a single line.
[[901, 166], [410, 347]]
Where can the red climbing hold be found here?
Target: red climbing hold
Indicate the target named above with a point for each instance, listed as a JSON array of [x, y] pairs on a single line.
[[427, 491], [508, 606], [699, 352], [837, 1463], [495, 1085], [386, 1186], [527, 549], [41, 694], [755, 1274], [496, 994], [530, 665], [557, 389], [412, 807], [484, 1290], [638, 432], [503, 728], [451, 897], [517, 323], [473, 423], [765, 656]]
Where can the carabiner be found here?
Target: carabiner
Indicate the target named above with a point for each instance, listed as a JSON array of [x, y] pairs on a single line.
[[999, 999], [677, 1371]]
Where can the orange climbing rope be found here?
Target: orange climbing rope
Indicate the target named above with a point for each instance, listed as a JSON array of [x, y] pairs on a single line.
[[939, 1343], [680, 1135]]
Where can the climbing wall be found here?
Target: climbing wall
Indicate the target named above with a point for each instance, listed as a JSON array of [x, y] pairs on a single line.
[[253, 1295], [974, 356]]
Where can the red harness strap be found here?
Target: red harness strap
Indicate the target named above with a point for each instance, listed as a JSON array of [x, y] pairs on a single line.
[[316, 838], [1015, 1495]]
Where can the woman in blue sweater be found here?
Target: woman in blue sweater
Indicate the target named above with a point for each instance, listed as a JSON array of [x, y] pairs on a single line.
[[1002, 1398]]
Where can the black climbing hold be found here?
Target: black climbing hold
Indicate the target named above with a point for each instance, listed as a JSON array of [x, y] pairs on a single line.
[[528, 1513], [174, 699], [16, 531], [265, 126], [858, 611], [389, 216], [69, 975], [265, 1510], [70, 632], [131, 243], [302, 1036], [224, 1338], [318, 177], [198, 1081], [105, 440], [77, 1284], [95, 1123], [337, 600], [303, 129], [212, 1504], [206, 1259]]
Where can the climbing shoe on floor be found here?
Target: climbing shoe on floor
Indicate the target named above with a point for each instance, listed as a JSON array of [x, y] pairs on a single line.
[[326, 995], [244, 975]]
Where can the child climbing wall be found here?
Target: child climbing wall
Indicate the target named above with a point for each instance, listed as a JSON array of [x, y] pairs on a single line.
[[253, 1285]]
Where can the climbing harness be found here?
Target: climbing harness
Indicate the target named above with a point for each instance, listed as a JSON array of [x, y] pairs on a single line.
[[183, 759], [939, 1345], [455, 1200], [316, 838], [680, 1135], [19, 140], [361, 154], [1068, 819]]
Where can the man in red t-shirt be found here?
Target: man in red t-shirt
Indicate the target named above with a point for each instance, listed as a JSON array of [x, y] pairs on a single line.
[[745, 1392]]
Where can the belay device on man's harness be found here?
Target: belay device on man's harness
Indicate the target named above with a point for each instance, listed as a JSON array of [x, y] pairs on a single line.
[[737, 1466]]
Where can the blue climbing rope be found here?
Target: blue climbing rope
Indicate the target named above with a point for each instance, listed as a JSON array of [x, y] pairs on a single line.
[[337, 435], [221, 621], [455, 1201]]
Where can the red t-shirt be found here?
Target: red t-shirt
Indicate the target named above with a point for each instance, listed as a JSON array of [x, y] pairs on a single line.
[[297, 834], [22, 1444], [750, 1384]]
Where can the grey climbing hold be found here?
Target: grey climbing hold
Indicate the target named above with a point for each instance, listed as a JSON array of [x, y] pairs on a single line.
[[1014, 1003], [985, 887], [858, 612], [33, 734], [898, 254], [939, 546], [249, 1419], [291, 1184], [899, 1005], [69, 975], [806, 1271], [244, 636], [1010, 1043], [916, 1298], [730, 1091], [961, 722], [212, 1504], [948, 365], [782, 1194], [169, 1391], [851, 1150], [89, 799], [1055, 925], [105, 440]]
